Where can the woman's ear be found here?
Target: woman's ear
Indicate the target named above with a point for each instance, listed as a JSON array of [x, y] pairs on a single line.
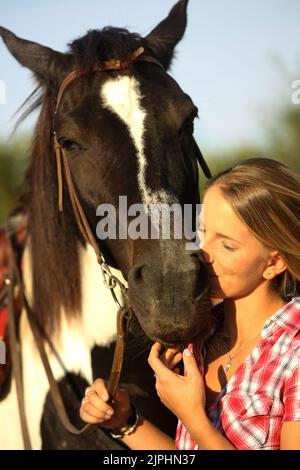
[[275, 266]]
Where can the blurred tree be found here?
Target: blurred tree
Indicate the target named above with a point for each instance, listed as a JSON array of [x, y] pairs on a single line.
[[228, 157], [12, 169], [284, 140]]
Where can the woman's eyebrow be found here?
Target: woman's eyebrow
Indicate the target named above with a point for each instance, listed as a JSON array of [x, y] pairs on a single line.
[[221, 235]]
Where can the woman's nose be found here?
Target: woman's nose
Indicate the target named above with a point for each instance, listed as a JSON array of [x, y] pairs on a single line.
[[203, 245], [207, 256]]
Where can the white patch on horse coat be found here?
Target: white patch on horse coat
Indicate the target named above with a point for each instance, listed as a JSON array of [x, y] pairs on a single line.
[[99, 308], [73, 345], [122, 96], [10, 426]]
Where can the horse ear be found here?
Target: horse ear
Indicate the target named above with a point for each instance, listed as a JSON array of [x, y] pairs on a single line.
[[49, 66], [163, 39]]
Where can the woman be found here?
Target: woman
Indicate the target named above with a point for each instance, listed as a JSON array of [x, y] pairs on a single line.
[[241, 389]]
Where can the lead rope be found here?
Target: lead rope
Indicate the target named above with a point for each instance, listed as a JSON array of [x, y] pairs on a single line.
[[15, 345]]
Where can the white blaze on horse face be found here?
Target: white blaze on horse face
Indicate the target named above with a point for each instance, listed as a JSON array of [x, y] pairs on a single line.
[[123, 97]]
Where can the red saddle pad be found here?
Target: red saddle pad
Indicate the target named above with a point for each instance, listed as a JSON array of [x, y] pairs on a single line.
[[3, 322]]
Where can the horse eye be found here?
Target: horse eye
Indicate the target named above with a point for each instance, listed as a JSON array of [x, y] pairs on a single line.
[[69, 145], [188, 124]]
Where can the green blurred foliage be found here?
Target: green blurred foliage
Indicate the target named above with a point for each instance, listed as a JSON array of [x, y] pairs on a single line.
[[284, 137], [13, 155]]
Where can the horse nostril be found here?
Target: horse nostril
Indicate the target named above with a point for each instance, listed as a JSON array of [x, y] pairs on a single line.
[[137, 274]]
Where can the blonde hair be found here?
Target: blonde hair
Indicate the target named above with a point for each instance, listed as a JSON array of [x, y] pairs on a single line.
[[265, 195]]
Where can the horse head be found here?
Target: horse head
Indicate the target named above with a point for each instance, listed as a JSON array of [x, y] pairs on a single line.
[[126, 132]]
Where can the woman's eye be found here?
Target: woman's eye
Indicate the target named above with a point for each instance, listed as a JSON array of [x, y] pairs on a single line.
[[69, 145], [229, 248]]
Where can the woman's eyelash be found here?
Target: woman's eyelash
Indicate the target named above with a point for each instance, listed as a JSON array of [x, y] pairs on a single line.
[[229, 248]]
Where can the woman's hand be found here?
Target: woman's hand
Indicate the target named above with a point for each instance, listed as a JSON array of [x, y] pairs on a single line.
[[170, 358], [95, 409], [183, 395]]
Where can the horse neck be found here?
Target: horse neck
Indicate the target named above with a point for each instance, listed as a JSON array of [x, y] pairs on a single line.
[[96, 324], [99, 310]]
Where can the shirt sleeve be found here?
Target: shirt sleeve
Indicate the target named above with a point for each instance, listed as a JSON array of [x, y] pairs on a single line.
[[291, 396]]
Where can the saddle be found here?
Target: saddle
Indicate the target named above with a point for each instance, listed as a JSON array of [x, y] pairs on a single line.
[[18, 232]]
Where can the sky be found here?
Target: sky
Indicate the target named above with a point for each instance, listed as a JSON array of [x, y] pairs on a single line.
[[237, 59]]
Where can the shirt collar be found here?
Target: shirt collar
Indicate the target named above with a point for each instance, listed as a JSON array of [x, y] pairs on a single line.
[[288, 318]]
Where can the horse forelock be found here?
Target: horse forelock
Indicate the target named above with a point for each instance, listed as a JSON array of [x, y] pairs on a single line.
[[105, 44]]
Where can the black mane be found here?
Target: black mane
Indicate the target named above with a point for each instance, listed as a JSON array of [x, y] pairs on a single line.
[[108, 43]]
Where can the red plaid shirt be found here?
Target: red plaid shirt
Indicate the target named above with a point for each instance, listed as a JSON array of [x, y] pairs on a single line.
[[264, 391]]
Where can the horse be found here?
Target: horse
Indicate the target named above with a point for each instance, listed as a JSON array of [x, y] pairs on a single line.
[[124, 131]]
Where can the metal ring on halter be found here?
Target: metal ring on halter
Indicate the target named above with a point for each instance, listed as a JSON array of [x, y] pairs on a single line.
[[101, 259], [110, 283], [122, 287], [106, 269], [107, 276], [116, 299]]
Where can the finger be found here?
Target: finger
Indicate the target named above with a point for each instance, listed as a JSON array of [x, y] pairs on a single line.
[[190, 364], [175, 360], [95, 412], [155, 362], [100, 388], [98, 403], [168, 356], [158, 347], [87, 418]]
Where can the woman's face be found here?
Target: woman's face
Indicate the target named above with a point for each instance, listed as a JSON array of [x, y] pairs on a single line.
[[237, 260]]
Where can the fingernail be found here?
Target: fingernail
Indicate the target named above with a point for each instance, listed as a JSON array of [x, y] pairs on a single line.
[[84, 401], [87, 390], [104, 397], [187, 352], [110, 412]]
